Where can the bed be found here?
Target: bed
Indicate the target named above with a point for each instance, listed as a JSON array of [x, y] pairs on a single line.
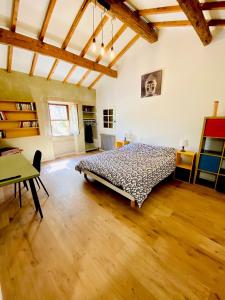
[[132, 170]]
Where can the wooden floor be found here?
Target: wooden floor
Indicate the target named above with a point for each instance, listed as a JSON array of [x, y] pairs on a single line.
[[92, 245]]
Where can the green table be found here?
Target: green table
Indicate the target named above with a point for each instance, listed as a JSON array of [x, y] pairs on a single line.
[[16, 168]]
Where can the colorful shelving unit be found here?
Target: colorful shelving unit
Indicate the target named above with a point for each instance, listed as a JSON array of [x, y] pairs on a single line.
[[210, 169]]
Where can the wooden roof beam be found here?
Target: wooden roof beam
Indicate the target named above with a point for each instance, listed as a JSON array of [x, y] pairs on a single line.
[[15, 9], [180, 23], [176, 8], [88, 45], [107, 48], [28, 43], [42, 33], [117, 57], [73, 27], [192, 10], [118, 9]]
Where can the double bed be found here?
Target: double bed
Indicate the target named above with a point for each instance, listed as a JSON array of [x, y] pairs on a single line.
[[132, 170]]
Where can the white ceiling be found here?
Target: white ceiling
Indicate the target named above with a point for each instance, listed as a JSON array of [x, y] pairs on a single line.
[[30, 19]]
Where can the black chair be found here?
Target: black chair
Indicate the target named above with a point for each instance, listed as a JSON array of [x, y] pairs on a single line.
[[37, 166]]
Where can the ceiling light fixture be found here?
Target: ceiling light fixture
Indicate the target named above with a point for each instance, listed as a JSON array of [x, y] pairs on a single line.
[[102, 44], [112, 54], [93, 20]]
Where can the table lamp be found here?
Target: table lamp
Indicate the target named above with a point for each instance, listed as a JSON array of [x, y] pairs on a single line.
[[183, 143]]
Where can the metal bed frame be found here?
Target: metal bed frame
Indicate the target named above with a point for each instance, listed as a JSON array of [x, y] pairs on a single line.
[[110, 185]]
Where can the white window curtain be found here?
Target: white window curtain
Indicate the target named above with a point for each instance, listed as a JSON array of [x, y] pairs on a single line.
[[74, 123]]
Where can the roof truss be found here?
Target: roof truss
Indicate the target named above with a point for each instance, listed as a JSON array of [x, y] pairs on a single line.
[[15, 9], [129, 16], [117, 57], [177, 8], [192, 10], [43, 32], [88, 44], [107, 48], [121, 11], [70, 34], [22, 41]]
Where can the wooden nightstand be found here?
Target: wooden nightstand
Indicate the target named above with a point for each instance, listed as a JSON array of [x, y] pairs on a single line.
[[120, 143], [184, 165]]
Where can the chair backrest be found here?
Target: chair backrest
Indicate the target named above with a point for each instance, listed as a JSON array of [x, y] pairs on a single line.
[[37, 160]]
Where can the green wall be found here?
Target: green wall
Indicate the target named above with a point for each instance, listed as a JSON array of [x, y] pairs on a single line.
[[20, 86]]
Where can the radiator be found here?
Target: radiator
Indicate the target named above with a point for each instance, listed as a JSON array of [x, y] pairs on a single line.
[[107, 141]]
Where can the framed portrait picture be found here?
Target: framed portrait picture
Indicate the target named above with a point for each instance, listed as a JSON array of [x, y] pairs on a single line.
[[151, 84]]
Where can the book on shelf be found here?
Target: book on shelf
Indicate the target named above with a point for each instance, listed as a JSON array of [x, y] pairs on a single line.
[[26, 106], [2, 116], [28, 124], [2, 134]]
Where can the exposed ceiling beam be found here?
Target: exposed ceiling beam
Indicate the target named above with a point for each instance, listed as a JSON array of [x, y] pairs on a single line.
[[180, 23], [107, 48], [15, 9], [48, 15], [216, 22], [177, 8], [159, 10], [75, 23], [42, 33], [88, 44], [117, 57], [192, 10], [56, 62], [9, 59], [25, 42], [73, 27], [118, 9], [213, 5], [177, 23]]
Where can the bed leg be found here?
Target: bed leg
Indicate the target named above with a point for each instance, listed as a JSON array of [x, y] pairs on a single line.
[[132, 204]]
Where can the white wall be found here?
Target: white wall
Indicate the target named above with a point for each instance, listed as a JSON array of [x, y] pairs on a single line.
[[193, 77]]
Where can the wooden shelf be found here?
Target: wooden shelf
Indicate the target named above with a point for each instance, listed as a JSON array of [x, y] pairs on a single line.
[[24, 120], [209, 172], [211, 154], [18, 128], [17, 110], [184, 166], [16, 117], [213, 137]]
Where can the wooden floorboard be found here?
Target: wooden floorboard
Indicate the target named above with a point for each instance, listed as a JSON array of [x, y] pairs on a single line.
[[92, 245]]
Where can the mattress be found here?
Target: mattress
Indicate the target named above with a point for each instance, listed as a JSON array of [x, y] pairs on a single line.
[[136, 168]]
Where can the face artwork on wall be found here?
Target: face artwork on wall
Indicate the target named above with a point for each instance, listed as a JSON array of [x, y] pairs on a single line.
[[151, 84]]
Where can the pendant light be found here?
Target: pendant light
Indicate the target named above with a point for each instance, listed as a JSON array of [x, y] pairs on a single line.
[[93, 23], [102, 44], [112, 54]]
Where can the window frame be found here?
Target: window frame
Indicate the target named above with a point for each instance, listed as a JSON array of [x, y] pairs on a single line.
[[109, 114], [52, 120]]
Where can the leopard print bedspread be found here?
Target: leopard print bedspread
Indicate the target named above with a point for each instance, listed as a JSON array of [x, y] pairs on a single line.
[[136, 168]]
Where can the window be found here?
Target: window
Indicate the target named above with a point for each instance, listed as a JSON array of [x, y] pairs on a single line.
[[108, 118], [59, 118]]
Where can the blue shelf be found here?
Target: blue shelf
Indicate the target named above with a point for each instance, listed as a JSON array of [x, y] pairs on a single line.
[[209, 163]]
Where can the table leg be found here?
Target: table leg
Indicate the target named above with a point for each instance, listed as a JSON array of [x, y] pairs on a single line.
[[35, 197]]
